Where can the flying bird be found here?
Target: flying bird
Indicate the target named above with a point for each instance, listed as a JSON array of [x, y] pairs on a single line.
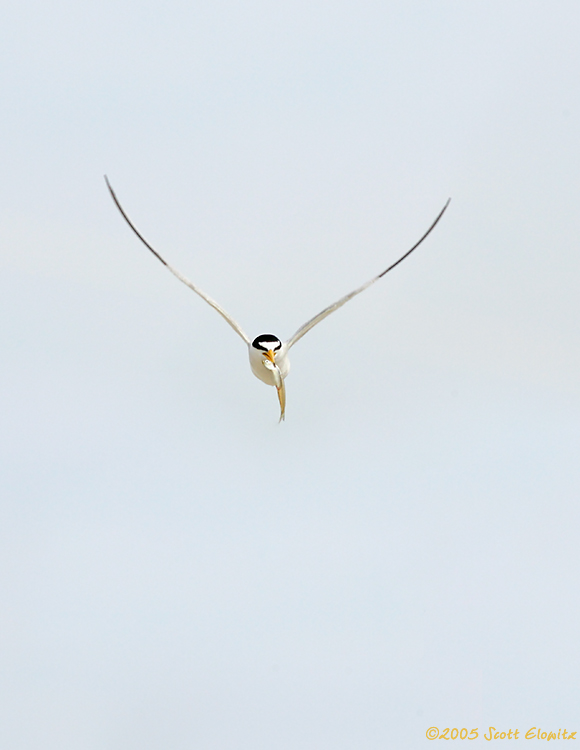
[[268, 354]]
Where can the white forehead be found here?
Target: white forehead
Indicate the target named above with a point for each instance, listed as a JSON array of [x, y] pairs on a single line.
[[266, 342]]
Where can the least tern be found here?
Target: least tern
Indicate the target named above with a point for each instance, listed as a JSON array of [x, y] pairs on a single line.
[[268, 354]]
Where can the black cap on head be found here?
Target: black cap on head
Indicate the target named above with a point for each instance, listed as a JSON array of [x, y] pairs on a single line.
[[266, 341]]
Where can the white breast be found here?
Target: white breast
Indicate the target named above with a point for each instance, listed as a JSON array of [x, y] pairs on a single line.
[[262, 372]]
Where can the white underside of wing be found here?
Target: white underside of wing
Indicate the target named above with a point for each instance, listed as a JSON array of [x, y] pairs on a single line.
[[343, 300], [281, 374], [326, 312], [226, 316]]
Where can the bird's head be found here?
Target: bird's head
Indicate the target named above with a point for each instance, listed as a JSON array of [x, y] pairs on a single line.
[[268, 345]]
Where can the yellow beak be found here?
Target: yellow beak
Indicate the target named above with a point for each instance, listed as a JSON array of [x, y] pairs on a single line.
[[270, 355]]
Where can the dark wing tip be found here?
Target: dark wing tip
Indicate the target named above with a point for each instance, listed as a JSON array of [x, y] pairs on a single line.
[[109, 186], [416, 245], [130, 223]]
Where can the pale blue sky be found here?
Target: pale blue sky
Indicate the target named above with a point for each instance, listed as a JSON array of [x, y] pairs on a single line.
[[179, 571]]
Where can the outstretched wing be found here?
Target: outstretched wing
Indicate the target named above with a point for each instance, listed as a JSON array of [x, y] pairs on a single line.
[[179, 275], [343, 300]]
